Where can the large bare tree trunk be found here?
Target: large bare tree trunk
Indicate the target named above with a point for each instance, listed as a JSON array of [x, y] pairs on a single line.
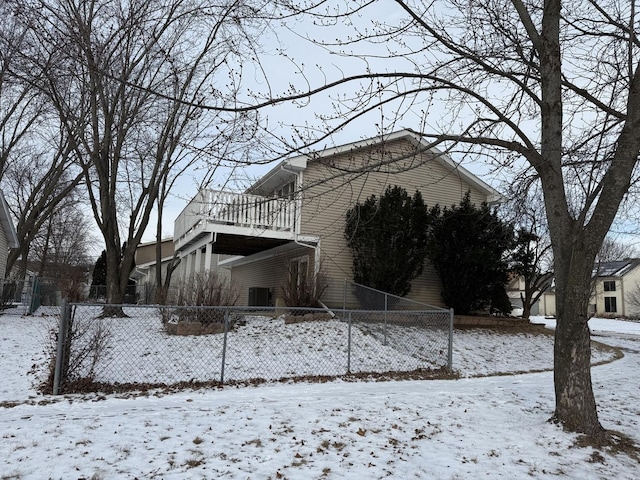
[[115, 290], [575, 402]]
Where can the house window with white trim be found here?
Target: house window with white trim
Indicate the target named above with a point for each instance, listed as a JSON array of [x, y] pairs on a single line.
[[610, 304], [610, 286], [299, 269]]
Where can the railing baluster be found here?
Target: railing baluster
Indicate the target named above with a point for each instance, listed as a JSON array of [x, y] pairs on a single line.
[[240, 209]]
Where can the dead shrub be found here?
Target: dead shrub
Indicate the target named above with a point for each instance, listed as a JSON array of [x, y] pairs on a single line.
[[84, 346], [202, 290], [303, 290]]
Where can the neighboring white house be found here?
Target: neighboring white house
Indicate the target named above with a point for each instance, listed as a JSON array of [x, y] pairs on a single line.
[[291, 221], [546, 304], [617, 289], [8, 237]]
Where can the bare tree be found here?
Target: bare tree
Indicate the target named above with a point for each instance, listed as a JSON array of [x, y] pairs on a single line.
[[532, 258], [60, 253], [553, 83], [37, 168], [221, 151], [65, 241], [613, 250], [38, 185], [127, 81], [20, 108], [528, 258]]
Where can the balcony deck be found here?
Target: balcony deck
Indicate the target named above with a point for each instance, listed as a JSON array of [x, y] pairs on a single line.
[[243, 224]]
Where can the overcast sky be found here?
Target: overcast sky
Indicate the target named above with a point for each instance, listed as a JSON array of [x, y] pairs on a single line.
[[311, 66]]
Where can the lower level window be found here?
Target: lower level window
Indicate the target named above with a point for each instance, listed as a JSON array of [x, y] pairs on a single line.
[[610, 304], [299, 270]]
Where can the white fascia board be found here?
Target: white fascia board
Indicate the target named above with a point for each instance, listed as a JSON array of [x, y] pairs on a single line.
[[153, 242], [228, 262], [139, 273], [290, 165], [629, 267]]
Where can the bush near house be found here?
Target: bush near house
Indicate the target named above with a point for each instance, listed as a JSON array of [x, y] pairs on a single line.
[[468, 245], [387, 239]]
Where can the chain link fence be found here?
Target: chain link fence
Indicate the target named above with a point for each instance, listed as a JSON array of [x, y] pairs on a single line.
[[367, 298], [24, 297], [154, 347], [18, 296]]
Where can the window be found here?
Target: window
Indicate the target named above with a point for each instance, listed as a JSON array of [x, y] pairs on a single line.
[[610, 305], [287, 191], [610, 286], [299, 270]]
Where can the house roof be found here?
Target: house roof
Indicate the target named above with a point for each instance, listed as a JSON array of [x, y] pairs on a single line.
[[289, 167], [154, 242], [7, 223], [617, 268]]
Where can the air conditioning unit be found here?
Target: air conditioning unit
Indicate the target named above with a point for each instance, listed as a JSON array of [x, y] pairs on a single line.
[[260, 297]]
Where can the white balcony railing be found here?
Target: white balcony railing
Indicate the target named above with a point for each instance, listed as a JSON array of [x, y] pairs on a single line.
[[235, 209]]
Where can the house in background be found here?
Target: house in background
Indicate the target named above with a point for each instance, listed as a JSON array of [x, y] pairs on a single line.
[[515, 288], [8, 236], [546, 304], [144, 272], [291, 222], [8, 239], [617, 289]]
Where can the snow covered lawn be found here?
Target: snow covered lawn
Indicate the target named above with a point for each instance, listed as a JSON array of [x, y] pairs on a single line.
[[475, 427]]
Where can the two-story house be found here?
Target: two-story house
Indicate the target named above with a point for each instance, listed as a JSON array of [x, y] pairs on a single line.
[[292, 220], [617, 289]]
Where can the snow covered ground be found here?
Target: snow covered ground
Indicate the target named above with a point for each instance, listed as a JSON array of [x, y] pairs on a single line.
[[488, 424]]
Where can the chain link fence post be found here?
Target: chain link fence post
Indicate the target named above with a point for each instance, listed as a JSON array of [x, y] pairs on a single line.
[[344, 297], [386, 306], [349, 346], [224, 345], [63, 327], [450, 352]]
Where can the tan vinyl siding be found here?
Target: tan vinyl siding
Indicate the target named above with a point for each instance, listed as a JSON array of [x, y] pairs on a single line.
[[335, 184], [146, 253], [271, 272]]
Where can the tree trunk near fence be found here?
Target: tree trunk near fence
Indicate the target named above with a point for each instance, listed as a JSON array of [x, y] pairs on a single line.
[[116, 280], [575, 402]]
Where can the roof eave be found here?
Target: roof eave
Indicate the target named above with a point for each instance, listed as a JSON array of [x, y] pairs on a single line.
[[7, 223], [299, 162]]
